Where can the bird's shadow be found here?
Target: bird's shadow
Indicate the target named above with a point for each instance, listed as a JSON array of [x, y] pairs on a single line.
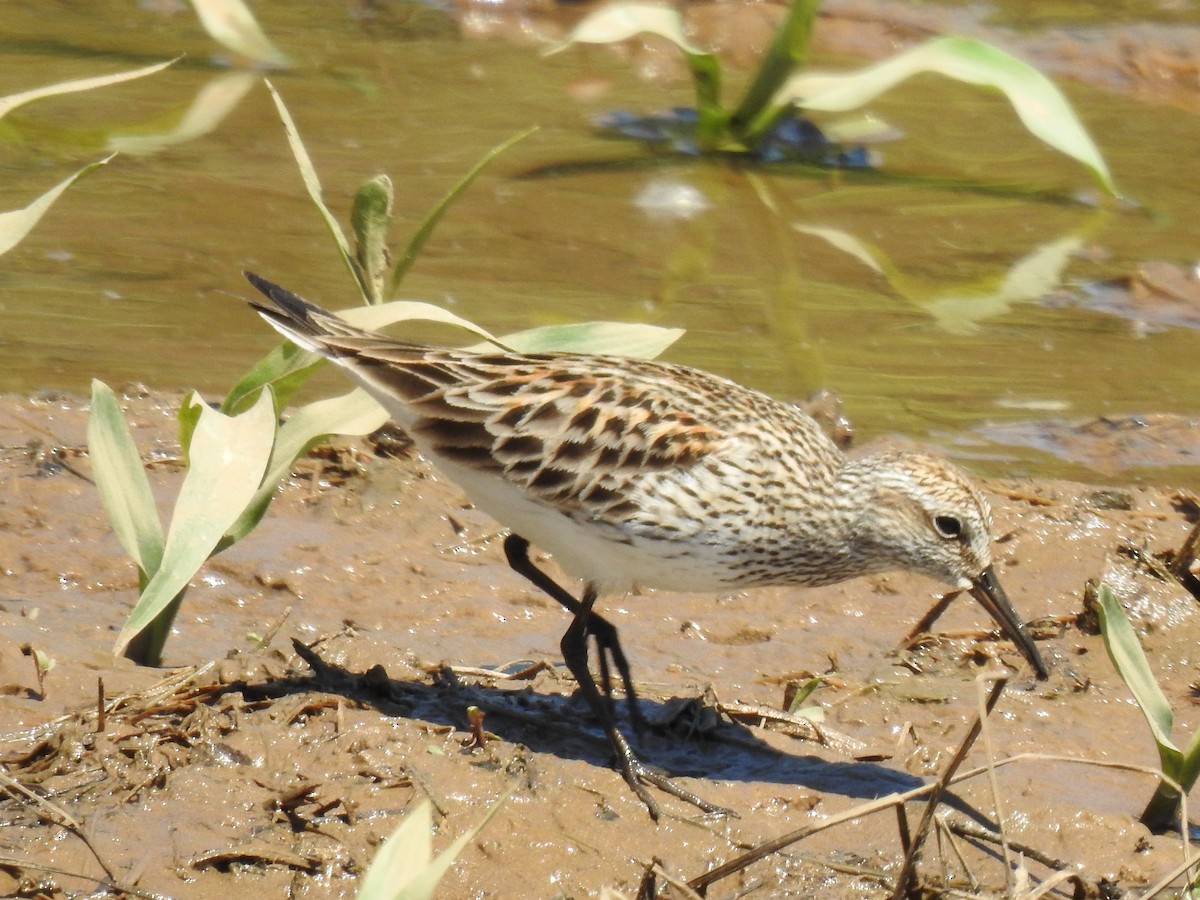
[[553, 724]]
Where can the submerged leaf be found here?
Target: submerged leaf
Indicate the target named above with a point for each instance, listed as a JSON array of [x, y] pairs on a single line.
[[413, 248], [1040, 105]]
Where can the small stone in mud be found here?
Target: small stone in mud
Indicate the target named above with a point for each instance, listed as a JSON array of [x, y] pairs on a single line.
[[1111, 499]]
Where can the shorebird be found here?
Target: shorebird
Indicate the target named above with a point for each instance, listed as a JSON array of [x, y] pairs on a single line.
[[640, 474]]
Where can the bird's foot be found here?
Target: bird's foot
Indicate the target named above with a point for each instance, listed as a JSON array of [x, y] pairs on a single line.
[[638, 774]]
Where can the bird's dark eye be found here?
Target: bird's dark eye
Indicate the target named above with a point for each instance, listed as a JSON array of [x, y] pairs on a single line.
[[947, 526]]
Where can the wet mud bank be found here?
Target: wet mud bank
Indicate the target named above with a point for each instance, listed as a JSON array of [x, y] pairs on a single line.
[[240, 766]]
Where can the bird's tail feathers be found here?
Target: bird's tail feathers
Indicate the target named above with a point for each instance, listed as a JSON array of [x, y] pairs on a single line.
[[295, 318]]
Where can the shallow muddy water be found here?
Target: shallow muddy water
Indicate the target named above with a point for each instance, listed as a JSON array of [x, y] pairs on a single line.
[[1005, 298]]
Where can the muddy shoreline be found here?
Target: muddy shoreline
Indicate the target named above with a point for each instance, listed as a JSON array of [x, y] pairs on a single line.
[[238, 767]]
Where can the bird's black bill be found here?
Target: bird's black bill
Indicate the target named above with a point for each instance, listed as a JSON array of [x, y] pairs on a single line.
[[991, 597]]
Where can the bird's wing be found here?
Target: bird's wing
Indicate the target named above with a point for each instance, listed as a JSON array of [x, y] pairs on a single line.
[[572, 431]]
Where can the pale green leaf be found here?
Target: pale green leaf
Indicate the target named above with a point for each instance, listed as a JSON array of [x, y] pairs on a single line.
[[616, 22], [212, 104], [1189, 768], [354, 414], [604, 338], [231, 24], [1126, 654], [17, 223], [228, 458], [121, 479], [370, 217], [312, 184], [413, 248], [1040, 105], [12, 101], [381, 315], [406, 852], [403, 869], [861, 128], [424, 885]]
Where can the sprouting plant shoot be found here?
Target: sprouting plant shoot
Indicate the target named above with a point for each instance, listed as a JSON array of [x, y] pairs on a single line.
[[766, 124], [238, 454], [1181, 767]]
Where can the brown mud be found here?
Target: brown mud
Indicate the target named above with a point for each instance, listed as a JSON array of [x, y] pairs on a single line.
[[238, 767]]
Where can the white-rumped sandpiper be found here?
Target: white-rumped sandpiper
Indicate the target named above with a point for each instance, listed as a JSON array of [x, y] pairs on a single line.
[[634, 473]]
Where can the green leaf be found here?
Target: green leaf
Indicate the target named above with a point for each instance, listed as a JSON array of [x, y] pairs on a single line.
[[312, 183], [1040, 105], [617, 22], [803, 692], [788, 51], [121, 479], [188, 416], [12, 101], [369, 218], [17, 223], [403, 869], [413, 249], [617, 338], [1126, 654], [353, 414], [228, 458], [231, 24], [285, 369], [406, 852], [380, 316]]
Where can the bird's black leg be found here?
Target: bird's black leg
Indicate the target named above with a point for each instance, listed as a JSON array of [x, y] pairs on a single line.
[[636, 772], [516, 548]]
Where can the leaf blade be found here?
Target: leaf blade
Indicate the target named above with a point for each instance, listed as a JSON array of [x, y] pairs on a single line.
[[12, 101], [1127, 657], [1037, 101], [228, 457], [121, 479], [17, 223]]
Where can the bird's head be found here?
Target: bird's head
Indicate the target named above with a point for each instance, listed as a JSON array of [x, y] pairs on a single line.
[[923, 514]]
